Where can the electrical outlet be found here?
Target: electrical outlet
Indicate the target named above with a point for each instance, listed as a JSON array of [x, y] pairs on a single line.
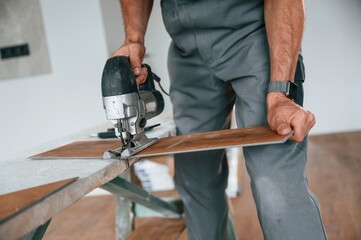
[[15, 51]]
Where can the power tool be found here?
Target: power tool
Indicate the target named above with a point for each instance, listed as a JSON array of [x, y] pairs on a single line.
[[129, 106]]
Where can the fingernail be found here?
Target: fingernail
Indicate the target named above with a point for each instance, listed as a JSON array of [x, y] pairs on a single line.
[[136, 71]]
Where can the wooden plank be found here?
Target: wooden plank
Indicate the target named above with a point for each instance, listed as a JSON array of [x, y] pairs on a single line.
[[250, 136], [334, 169], [77, 222], [184, 235], [157, 228], [177, 144], [14, 203], [92, 173], [81, 149]]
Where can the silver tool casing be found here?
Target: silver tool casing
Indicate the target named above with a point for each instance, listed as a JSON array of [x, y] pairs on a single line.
[[117, 107], [131, 109], [127, 108]]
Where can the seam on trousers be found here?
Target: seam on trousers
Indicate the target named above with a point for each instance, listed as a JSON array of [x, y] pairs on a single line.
[[300, 147], [319, 214], [212, 199], [312, 197]]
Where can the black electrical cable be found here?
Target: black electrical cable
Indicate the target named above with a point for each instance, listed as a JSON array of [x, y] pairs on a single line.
[[157, 79]]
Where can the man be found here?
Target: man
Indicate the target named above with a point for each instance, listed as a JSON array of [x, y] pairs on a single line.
[[241, 52]]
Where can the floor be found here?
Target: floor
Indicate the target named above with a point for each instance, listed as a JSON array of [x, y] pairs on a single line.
[[334, 173]]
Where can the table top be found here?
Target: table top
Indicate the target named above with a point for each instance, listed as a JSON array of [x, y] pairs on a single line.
[[23, 173]]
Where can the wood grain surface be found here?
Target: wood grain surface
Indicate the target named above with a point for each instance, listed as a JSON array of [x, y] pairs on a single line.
[[81, 149], [250, 136], [157, 228], [335, 178], [75, 223], [177, 144], [16, 202], [333, 170]]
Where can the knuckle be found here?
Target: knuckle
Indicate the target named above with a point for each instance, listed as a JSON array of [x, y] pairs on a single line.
[[303, 114], [313, 123], [311, 118]]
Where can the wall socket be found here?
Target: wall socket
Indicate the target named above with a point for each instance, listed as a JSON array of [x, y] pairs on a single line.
[[23, 45], [14, 51]]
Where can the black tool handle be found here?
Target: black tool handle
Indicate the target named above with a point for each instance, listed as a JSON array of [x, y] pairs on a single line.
[[148, 85], [118, 77]]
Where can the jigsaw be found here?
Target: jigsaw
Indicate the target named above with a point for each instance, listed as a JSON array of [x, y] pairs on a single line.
[[129, 106]]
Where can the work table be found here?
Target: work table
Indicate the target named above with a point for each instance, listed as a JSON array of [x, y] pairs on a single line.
[[23, 173]]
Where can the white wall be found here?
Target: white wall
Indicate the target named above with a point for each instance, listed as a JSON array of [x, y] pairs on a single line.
[[38, 109], [332, 51]]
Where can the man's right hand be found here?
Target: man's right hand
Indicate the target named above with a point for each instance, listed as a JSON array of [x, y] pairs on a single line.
[[135, 15], [135, 52], [284, 115]]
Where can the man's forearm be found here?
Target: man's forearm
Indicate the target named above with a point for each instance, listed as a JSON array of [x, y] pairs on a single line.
[[136, 15], [284, 24]]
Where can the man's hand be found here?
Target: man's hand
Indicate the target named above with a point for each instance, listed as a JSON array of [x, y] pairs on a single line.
[[135, 15], [284, 24], [135, 52], [285, 115]]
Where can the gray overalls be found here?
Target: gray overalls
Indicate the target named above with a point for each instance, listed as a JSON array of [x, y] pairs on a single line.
[[219, 57]]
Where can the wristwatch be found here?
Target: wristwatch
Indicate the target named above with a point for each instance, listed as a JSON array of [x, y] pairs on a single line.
[[289, 88]]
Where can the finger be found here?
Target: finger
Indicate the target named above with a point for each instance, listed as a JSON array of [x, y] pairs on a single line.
[[122, 51], [300, 127], [135, 62], [142, 77], [310, 123], [283, 128], [136, 58], [271, 123]]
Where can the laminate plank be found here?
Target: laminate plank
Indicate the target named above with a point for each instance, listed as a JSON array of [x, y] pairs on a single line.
[[81, 219], [335, 179], [93, 218], [185, 143], [333, 170], [184, 235], [325, 184], [14, 203], [80, 149], [28, 173], [244, 210], [213, 140], [158, 229]]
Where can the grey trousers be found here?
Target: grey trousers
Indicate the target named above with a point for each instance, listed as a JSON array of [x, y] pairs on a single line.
[[203, 102]]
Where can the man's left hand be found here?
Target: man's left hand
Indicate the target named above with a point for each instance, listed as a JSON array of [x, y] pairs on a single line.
[[284, 115]]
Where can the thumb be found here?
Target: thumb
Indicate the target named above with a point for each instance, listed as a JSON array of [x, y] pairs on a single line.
[[283, 129], [136, 63]]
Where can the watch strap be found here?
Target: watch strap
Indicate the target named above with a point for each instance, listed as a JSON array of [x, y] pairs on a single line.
[[279, 86]]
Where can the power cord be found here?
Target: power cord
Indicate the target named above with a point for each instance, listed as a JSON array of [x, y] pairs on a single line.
[[157, 79]]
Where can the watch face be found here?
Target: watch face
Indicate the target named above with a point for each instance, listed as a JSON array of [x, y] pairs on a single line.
[[292, 91]]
